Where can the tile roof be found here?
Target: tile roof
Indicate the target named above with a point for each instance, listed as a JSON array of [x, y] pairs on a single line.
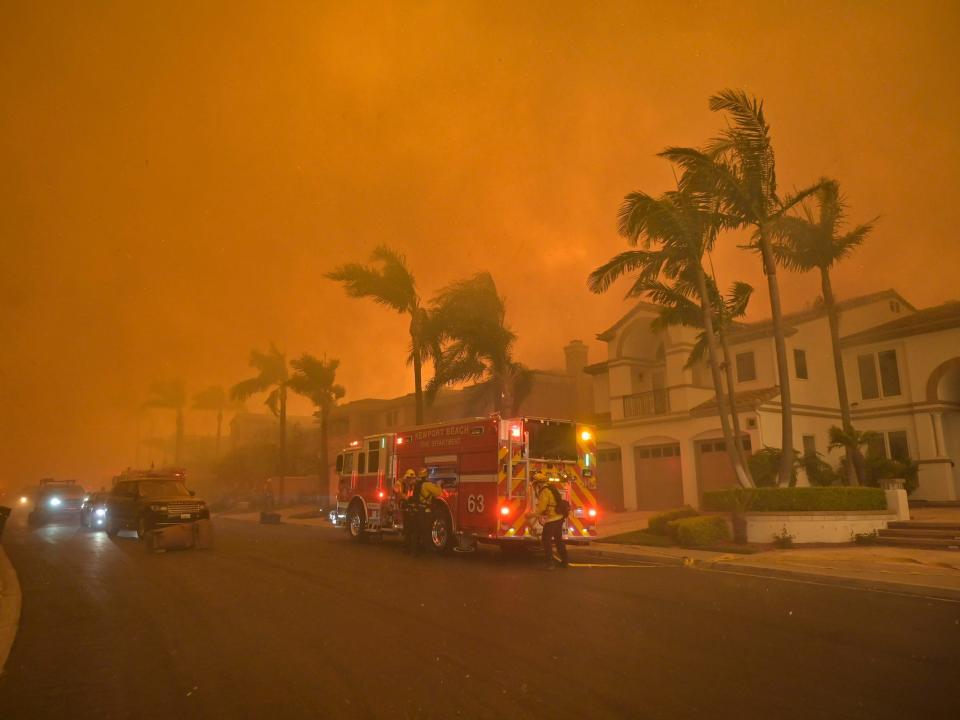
[[939, 317], [744, 399]]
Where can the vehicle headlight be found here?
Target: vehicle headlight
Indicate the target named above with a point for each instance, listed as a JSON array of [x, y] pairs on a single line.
[[55, 502], [158, 508], [24, 500], [100, 512]]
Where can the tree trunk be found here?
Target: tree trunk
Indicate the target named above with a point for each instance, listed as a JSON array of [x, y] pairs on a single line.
[[282, 463], [783, 369], [418, 383], [323, 479], [854, 468], [707, 309], [178, 447], [734, 414]]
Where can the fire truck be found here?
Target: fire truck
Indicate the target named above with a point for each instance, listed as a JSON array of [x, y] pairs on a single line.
[[484, 466]]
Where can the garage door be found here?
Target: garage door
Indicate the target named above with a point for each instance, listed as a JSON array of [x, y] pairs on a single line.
[[714, 469], [659, 478], [610, 479]]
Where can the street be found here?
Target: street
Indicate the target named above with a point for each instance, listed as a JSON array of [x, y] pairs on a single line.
[[290, 622]]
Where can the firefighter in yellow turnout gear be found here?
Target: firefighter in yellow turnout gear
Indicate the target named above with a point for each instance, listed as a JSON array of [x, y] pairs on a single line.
[[548, 497], [420, 511]]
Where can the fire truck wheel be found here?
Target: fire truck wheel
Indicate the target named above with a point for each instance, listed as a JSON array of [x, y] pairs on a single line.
[[356, 521], [441, 532]]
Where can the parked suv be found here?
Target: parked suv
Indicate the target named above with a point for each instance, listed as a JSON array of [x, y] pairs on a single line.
[[143, 501]]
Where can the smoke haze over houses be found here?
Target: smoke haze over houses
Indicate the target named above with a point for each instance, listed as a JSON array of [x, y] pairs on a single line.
[[176, 179]]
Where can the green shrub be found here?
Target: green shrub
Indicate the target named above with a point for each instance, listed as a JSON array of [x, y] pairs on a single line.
[[765, 467], [658, 523], [797, 499], [820, 473], [700, 531], [880, 468]]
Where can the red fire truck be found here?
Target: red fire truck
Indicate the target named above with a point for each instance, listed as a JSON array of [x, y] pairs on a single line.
[[484, 466]]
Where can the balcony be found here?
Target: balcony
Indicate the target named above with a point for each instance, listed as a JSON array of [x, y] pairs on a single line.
[[654, 402]]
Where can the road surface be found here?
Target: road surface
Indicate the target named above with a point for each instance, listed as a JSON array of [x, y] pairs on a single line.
[[299, 622]]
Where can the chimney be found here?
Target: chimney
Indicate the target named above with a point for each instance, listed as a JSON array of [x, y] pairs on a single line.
[[576, 355]]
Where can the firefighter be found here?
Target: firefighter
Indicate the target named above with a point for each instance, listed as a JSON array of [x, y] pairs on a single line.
[[404, 494], [547, 501], [425, 490]]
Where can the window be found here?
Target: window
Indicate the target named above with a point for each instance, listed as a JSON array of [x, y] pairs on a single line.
[[361, 459], [876, 447], [746, 367], [657, 451], [894, 306], [879, 372], [392, 418], [611, 455], [800, 364], [809, 445], [869, 389], [897, 441], [373, 456], [348, 463], [889, 373], [339, 463]]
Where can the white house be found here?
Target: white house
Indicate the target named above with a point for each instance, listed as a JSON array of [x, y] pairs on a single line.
[[661, 444]]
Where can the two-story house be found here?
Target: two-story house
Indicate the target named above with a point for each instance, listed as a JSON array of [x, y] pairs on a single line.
[[661, 444]]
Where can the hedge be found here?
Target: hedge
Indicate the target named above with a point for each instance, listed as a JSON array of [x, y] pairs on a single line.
[[658, 524], [700, 531], [799, 499]]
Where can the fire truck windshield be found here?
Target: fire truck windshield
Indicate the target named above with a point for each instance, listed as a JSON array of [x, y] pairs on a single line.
[[551, 440]]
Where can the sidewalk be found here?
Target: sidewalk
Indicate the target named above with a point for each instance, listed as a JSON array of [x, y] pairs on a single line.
[[10, 602], [285, 516]]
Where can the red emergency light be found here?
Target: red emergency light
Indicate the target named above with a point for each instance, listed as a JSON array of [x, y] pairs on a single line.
[[399, 440], [504, 510], [515, 431], [592, 512], [381, 494], [355, 443]]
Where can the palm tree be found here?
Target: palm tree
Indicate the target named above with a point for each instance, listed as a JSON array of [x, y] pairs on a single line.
[[683, 226], [215, 399], [816, 242], [171, 395], [315, 379], [471, 342], [738, 170], [272, 376], [677, 308], [389, 282], [851, 441]]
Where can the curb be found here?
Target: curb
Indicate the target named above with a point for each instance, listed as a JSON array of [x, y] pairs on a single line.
[[888, 586], [10, 603]]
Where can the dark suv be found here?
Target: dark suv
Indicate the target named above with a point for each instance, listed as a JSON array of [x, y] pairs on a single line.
[[151, 500]]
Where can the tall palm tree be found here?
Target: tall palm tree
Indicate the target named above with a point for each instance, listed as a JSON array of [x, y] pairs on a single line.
[[315, 379], [389, 282], [678, 308], [815, 241], [682, 226], [214, 399], [471, 342], [171, 395], [738, 170], [273, 376]]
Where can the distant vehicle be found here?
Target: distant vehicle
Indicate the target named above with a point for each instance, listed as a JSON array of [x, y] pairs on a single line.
[[93, 512], [55, 499], [144, 500]]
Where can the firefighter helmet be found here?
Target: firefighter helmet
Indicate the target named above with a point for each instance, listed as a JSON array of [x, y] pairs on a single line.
[[539, 476], [410, 474], [423, 473]]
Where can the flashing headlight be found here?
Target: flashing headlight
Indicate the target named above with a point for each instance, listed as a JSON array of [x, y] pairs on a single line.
[[86, 498], [504, 510], [515, 431], [100, 512], [586, 435], [23, 500], [592, 512], [55, 502]]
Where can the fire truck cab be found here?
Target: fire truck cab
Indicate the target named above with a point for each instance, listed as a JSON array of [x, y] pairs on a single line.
[[484, 466]]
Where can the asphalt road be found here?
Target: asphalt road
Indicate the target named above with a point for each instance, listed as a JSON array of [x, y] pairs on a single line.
[[295, 622]]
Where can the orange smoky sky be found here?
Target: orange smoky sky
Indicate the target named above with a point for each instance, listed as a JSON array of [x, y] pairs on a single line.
[[177, 176]]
